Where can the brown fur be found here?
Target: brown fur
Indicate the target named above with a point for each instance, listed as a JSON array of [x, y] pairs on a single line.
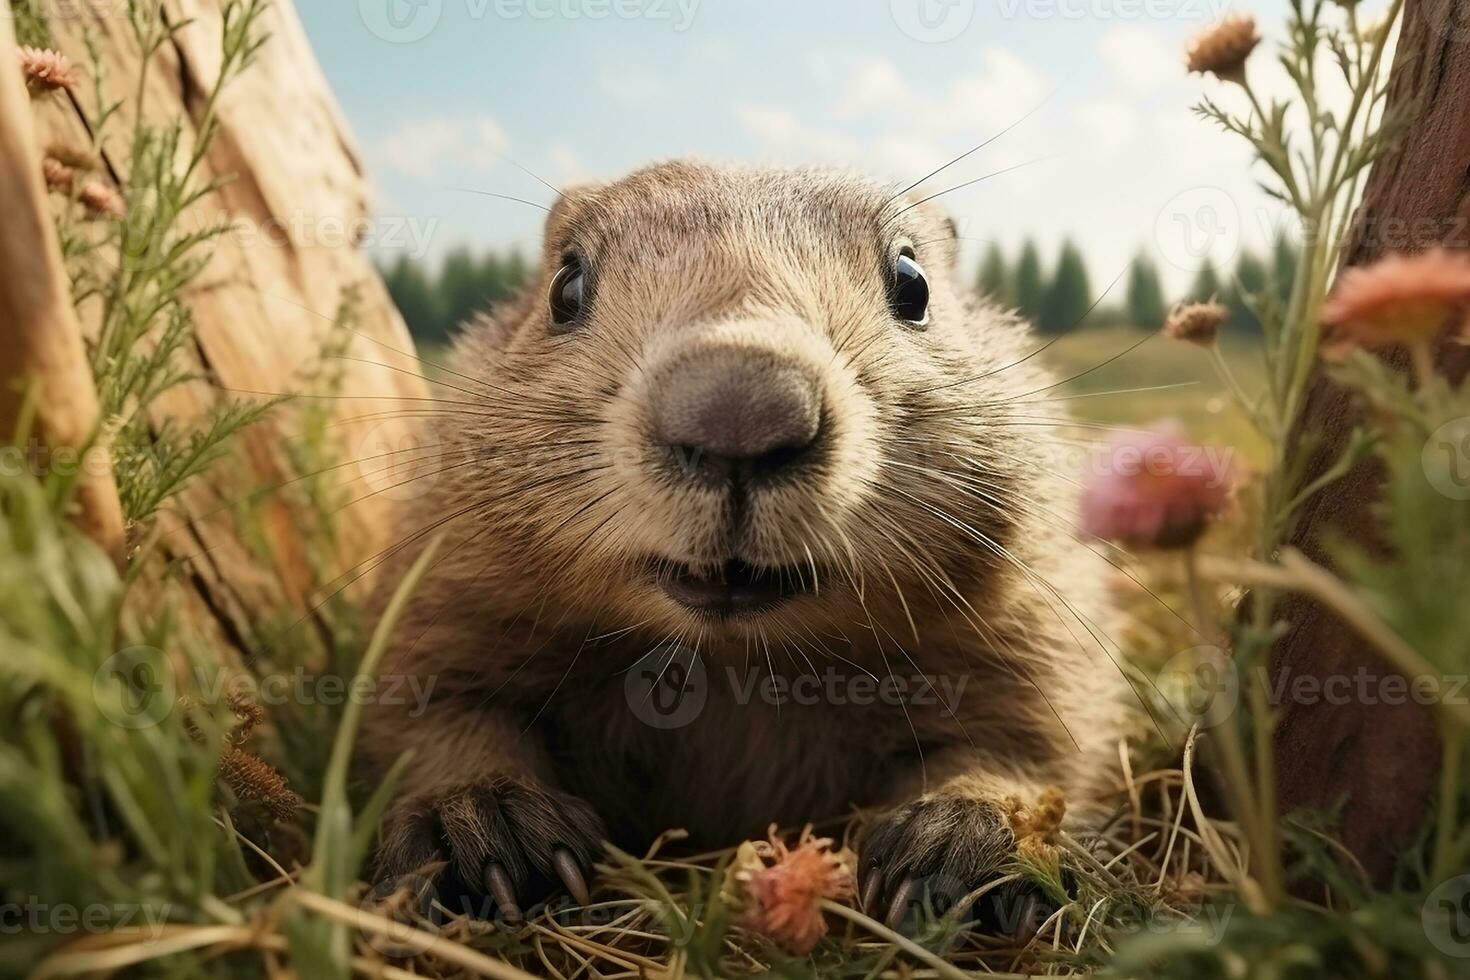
[[936, 522]]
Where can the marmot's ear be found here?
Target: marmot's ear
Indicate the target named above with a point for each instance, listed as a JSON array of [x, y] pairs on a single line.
[[949, 246], [953, 229]]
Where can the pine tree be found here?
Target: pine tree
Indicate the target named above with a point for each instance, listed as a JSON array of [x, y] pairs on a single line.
[[994, 281], [516, 270], [461, 287], [1249, 282], [492, 278], [1145, 300], [415, 298], [1284, 256], [1206, 285], [1069, 297], [1030, 281]]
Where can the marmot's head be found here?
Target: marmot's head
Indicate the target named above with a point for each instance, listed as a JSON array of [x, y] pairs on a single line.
[[743, 403]]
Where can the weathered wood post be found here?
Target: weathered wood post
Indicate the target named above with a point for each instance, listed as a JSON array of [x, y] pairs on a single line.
[[297, 202], [1380, 759]]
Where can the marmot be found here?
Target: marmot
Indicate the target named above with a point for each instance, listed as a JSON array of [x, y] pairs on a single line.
[[755, 515]]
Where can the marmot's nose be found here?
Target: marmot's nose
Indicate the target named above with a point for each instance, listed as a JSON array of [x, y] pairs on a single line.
[[730, 413]]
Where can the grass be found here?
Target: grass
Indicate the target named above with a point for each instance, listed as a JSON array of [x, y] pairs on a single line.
[[1125, 376]]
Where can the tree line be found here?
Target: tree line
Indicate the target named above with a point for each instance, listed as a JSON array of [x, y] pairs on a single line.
[[435, 302], [1057, 298], [1064, 295]]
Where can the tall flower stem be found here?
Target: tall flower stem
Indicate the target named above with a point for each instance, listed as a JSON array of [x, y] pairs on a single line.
[[1259, 823]]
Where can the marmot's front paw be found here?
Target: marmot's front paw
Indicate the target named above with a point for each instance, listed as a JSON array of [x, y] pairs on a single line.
[[934, 850], [513, 842]]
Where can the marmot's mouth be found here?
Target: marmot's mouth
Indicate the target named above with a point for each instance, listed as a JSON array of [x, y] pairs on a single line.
[[733, 588]]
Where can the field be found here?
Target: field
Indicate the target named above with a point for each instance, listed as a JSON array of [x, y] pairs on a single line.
[[1123, 376]]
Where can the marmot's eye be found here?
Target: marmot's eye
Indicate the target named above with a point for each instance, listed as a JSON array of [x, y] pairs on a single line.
[[908, 297], [568, 293]]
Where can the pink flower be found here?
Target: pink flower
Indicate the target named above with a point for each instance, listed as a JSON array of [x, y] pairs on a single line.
[[46, 70], [59, 177], [102, 200], [780, 889], [1154, 489]]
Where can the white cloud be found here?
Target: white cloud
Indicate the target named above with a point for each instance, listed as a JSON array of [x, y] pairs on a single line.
[[915, 132], [907, 158], [1006, 87], [1143, 58], [875, 85], [566, 167], [783, 135], [1123, 162], [486, 143], [1108, 125], [424, 148]]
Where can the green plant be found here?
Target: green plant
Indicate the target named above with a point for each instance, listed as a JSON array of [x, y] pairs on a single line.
[[138, 267]]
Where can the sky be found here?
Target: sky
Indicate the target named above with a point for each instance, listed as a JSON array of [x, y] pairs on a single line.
[[1090, 99]]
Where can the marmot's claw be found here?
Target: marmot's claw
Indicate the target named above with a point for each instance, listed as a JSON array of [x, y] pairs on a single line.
[[869, 895], [497, 883], [512, 842], [565, 863], [929, 854], [898, 906]]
